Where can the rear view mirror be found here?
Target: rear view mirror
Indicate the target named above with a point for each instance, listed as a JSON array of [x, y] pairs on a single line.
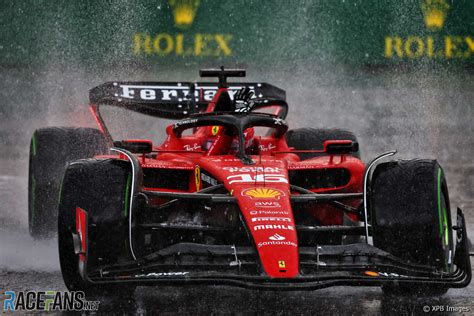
[[340, 146], [136, 146]]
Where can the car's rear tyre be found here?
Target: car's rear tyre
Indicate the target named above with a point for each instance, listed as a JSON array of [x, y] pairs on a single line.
[[313, 139], [50, 151], [102, 189], [411, 218]]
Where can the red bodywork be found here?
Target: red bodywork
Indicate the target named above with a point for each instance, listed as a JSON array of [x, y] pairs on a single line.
[[262, 190]]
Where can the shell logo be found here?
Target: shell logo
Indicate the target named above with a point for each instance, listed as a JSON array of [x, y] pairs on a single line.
[[263, 193]]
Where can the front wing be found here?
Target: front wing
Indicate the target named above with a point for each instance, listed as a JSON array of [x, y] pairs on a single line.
[[354, 264]]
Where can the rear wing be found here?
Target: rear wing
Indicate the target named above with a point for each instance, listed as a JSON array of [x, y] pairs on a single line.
[[171, 100]]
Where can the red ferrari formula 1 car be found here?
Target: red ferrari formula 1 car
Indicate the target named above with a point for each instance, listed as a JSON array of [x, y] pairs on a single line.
[[233, 197]]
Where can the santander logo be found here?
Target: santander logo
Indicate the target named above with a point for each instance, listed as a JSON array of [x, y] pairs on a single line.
[[276, 237]]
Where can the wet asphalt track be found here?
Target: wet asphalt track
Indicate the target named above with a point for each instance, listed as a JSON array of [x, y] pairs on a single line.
[[26, 264]]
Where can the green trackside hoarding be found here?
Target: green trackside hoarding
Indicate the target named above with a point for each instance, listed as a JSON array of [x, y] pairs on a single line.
[[188, 32]]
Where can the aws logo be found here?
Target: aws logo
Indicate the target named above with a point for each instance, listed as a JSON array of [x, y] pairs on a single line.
[[184, 42], [435, 46]]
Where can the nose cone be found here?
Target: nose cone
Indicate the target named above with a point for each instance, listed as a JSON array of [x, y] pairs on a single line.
[[262, 193], [267, 213]]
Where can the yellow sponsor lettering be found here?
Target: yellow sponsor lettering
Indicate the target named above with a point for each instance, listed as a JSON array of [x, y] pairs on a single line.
[[429, 47], [163, 44], [202, 45], [470, 46], [451, 46], [180, 50], [223, 44], [198, 44], [142, 42], [391, 44], [414, 47]]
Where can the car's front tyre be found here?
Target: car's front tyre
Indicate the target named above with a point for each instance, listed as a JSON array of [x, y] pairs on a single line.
[[102, 189], [50, 150], [411, 218]]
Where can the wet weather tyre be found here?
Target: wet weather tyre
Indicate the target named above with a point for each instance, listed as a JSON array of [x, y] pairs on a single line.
[[50, 151], [101, 188], [313, 139], [411, 218]]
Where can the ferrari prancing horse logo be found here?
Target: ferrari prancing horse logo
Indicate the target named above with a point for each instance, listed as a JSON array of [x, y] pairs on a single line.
[[197, 177]]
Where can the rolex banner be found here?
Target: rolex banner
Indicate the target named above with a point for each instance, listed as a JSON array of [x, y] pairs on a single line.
[[188, 32]]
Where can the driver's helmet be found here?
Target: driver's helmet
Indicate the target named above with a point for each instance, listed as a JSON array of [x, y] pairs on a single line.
[[213, 131]]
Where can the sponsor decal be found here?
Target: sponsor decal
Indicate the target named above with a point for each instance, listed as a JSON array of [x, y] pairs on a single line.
[[185, 122], [184, 12], [268, 204], [371, 273], [47, 301], [253, 169], [269, 212], [269, 147], [181, 44], [263, 193], [434, 13], [160, 274], [225, 160], [249, 178], [197, 177], [192, 147], [301, 166], [170, 93], [277, 240], [184, 43], [208, 179], [276, 237], [163, 165], [270, 219], [276, 243], [384, 274], [215, 130], [278, 121], [433, 46], [265, 227]]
